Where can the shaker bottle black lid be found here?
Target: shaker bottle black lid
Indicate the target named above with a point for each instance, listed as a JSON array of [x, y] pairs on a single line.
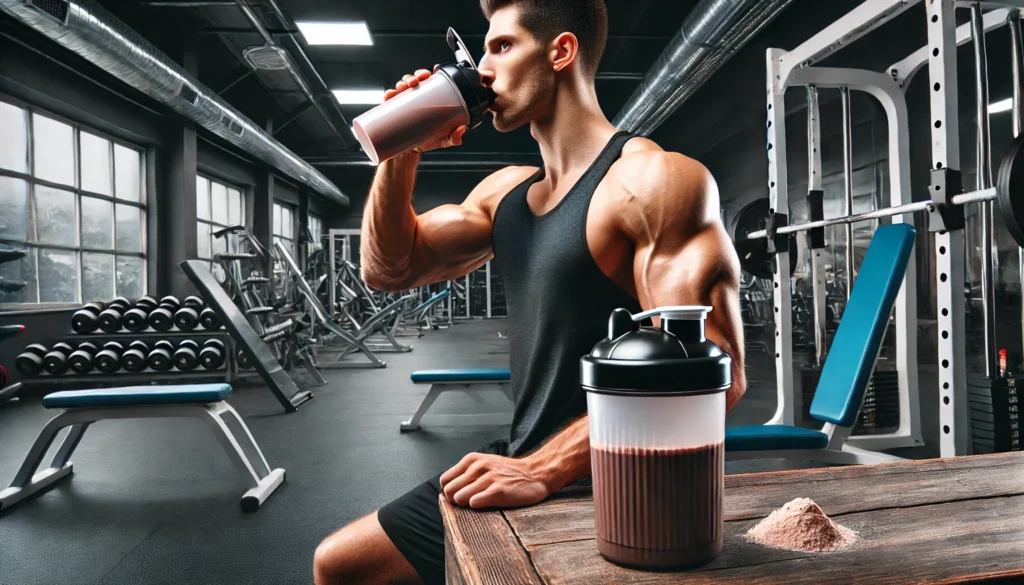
[[673, 360], [466, 78]]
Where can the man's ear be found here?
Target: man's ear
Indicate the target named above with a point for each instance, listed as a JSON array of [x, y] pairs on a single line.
[[565, 49]]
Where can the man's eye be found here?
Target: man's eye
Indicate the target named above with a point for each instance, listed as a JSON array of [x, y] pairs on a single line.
[[504, 46]]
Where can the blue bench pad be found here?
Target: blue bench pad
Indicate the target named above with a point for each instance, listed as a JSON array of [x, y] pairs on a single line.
[[462, 375], [772, 438], [139, 396]]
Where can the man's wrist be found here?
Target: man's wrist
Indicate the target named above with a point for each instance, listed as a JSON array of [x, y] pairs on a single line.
[[548, 471]]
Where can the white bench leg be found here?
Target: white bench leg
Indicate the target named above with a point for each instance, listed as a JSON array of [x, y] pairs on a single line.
[[414, 423], [27, 482], [243, 451]]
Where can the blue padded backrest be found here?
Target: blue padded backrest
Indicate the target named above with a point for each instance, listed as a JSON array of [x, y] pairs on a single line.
[[846, 372]]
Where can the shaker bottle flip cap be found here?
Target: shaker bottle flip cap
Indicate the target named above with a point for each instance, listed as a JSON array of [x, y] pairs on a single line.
[[466, 76], [673, 360]]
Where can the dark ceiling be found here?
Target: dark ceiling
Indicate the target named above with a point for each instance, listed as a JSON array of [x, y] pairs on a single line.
[[409, 34]]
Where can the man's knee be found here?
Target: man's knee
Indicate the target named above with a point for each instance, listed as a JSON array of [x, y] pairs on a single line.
[[361, 552]]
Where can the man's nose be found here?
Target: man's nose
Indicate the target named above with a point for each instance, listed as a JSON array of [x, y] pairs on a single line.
[[486, 73]]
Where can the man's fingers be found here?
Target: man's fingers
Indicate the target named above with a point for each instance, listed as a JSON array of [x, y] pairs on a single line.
[[464, 495], [411, 80], [390, 94], [422, 74], [467, 477], [488, 498], [458, 469]]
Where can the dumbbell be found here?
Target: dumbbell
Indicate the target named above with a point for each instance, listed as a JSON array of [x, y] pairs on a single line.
[[81, 360], [136, 319], [111, 317], [87, 319], [186, 356], [209, 319], [108, 360], [160, 355], [172, 301], [162, 317], [243, 360], [56, 361], [194, 302], [146, 303], [186, 318], [121, 303], [30, 361], [136, 357], [212, 355]]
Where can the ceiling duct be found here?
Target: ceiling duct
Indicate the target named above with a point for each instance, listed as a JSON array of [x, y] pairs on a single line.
[[711, 34], [88, 30]]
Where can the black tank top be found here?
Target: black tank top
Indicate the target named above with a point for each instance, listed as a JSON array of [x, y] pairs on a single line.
[[558, 302]]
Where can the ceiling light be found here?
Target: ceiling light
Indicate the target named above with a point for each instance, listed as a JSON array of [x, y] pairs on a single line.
[[1001, 106], [335, 33], [359, 96]]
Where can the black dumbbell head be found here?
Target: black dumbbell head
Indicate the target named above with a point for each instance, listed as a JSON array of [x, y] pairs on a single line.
[[164, 344], [36, 348], [135, 320], [56, 362], [134, 360], [108, 361], [146, 303], [110, 320], [98, 307], [62, 347], [113, 346], [186, 319], [80, 361], [85, 320], [194, 302], [214, 342], [211, 357], [209, 319], [160, 359], [122, 304], [243, 360], [189, 343], [29, 363], [172, 301], [88, 346], [139, 345], [161, 319], [185, 359]]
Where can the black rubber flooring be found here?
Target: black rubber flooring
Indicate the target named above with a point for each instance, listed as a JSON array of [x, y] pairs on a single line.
[[156, 501]]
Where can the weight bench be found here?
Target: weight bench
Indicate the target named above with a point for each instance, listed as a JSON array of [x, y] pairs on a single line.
[[84, 407], [420, 316], [468, 380], [847, 369]]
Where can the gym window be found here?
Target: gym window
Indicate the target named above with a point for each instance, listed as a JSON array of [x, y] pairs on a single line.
[[284, 226], [316, 230], [75, 200], [217, 206]]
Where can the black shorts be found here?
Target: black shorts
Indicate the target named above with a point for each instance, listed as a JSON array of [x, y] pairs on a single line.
[[413, 523]]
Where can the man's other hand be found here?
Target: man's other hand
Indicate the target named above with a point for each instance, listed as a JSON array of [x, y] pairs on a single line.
[[493, 481]]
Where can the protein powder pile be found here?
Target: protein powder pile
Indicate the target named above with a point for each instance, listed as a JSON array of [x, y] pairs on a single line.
[[801, 525]]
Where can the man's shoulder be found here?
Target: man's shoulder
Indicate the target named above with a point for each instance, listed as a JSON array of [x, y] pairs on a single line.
[[645, 169], [494, 187]]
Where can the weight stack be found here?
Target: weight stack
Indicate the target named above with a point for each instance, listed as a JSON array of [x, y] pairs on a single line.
[[880, 411], [995, 413]]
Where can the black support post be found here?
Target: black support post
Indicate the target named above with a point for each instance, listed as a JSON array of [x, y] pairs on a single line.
[[303, 241]]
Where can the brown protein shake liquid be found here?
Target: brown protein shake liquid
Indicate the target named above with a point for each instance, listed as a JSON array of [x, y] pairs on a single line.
[[658, 508]]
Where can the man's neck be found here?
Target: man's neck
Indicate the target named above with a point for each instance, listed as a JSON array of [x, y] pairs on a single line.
[[573, 135]]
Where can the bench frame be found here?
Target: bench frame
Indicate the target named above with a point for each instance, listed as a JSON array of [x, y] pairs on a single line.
[[223, 420], [470, 387]]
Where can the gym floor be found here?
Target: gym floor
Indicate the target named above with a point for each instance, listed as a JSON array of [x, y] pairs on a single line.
[[156, 501]]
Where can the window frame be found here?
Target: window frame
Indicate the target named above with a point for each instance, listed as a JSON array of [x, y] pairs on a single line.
[[214, 225], [79, 248], [293, 213]]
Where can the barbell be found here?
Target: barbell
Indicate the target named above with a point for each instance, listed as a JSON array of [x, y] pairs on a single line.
[[757, 259]]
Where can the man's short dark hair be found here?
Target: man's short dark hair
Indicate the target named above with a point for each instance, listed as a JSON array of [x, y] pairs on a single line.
[[546, 19]]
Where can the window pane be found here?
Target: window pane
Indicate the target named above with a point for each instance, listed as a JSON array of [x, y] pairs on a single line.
[[58, 276], [128, 173], [23, 270], [55, 218], [129, 229], [277, 219], [95, 154], [53, 150], [219, 246], [235, 207], [14, 146], [97, 224], [203, 240], [97, 277], [202, 198], [220, 203], [131, 276], [15, 212], [286, 222]]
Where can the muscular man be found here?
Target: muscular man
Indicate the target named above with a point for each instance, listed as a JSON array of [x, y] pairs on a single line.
[[609, 221]]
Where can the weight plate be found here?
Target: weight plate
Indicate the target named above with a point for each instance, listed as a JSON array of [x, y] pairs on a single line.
[[1010, 190], [753, 254]]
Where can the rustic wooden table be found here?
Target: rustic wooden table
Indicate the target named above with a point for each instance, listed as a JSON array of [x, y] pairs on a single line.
[[935, 521]]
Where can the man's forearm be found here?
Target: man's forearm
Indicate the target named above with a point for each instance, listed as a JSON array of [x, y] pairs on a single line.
[[565, 457], [389, 221]]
